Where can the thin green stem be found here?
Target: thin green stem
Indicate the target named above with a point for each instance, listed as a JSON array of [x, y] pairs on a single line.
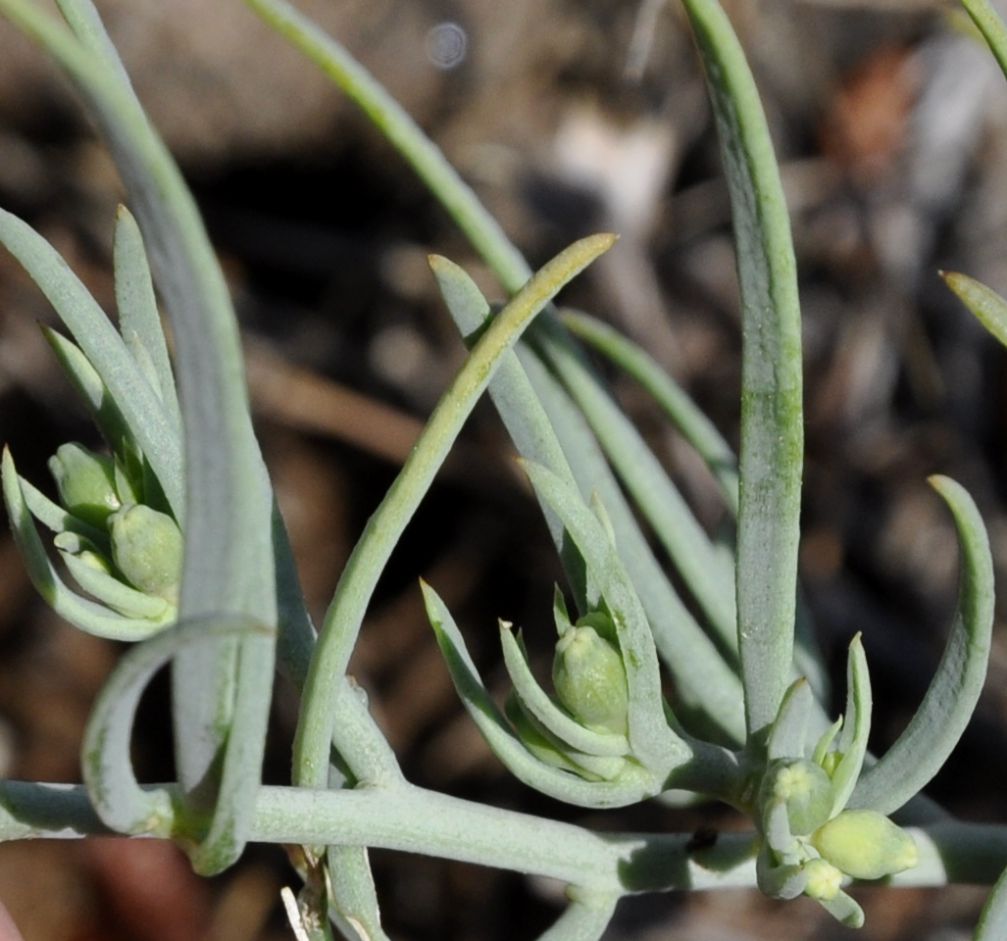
[[414, 820]]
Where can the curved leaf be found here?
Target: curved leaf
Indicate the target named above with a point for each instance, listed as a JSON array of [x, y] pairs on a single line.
[[856, 727], [991, 26], [947, 706], [363, 569], [105, 350], [108, 774], [117, 595]]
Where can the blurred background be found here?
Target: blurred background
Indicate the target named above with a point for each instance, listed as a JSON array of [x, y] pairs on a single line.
[[568, 118]]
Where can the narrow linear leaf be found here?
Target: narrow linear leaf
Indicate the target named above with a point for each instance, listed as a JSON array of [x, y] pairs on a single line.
[[947, 706], [505, 745], [991, 26], [241, 774], [993, 919], [512, 395], [139, 320], [856, 727], [139, 406], [772, 434], [585, 919], [83, 20], [107, 766], [703, 679], [98, 400], [708, 683], [228, 555], [369, 556], [658, 499], [538, 702], [689, 420], [845, 909], [79, 611], [120, 597], [54, 517], [988, 307]]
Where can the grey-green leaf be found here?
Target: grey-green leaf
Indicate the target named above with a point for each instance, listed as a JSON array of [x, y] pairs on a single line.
[[856, 727], [947, 706], [772, 434], [139, 320]]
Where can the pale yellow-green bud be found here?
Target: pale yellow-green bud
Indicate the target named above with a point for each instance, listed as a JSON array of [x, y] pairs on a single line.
[[824, 880], [804, 788], [865, 844], [86, 483], [590, 679], [147, 549]]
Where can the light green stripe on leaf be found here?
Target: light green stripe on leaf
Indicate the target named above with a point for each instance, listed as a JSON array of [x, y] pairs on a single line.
[[772, 434], [921, 750]]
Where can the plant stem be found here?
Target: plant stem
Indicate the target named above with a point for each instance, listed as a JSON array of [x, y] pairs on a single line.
[[415, 820]]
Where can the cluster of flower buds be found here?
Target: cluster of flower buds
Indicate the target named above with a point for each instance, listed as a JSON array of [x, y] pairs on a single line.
[[124, 553], [582, 729], [812, 844]]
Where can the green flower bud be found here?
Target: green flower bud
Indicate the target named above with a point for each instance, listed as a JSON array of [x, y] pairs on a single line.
[[865, 844], [590, 679], [86, 483], [804, 788], [147, 549], [824, 880], [602, 624]]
